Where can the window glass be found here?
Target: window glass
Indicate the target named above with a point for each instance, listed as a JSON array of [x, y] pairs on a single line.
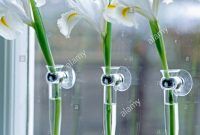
[[132, 47]]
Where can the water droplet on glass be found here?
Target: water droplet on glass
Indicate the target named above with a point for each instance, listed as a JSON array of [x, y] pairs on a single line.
[[76, 107], [187, 59]]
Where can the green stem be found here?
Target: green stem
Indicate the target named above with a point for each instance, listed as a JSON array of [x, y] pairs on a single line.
[[44, 45], [160, 45], [57, 118], [107, 47], [41, 35]]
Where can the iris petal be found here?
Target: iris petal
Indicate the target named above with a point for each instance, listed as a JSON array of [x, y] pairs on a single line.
[[120, 14], [67, 22], [145, 5], [19, 10], [10, 26]]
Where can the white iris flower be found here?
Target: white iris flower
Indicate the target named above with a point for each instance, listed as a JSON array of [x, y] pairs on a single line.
[[14, 14], [89, 10], [123, 11]]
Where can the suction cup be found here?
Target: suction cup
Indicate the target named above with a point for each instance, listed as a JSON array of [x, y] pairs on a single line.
[[126, 79], [119, 78], [186, 85], [68, 81], [180, 82]]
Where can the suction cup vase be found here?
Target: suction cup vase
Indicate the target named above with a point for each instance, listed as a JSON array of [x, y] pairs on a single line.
[[113, 79], [58, 77], [180, 82], [63, 75], [117, 77]]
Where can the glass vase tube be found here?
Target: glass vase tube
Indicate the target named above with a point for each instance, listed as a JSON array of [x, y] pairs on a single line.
[[55, 102], [110, 108], [117, 79], [178, 84], [109, 103], [55, 108], [171, 113]]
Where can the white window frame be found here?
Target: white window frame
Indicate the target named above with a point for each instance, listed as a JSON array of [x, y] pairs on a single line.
[[18, 85]]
